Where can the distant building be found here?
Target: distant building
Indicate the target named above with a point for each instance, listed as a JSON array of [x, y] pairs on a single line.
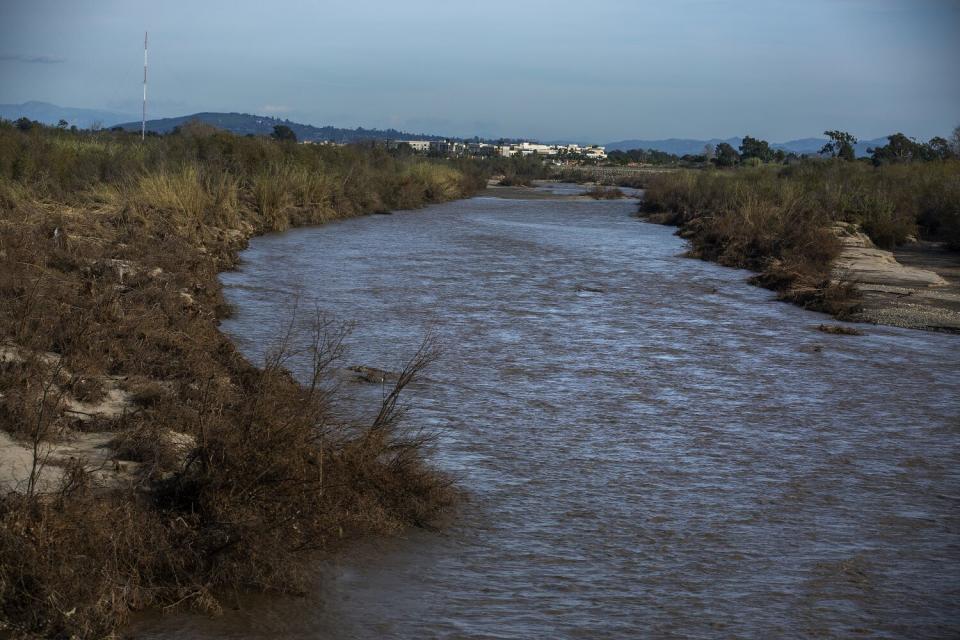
[[481, 149], [329, 143], [592, 152], [526, 149], [447, 148], [420, 146], [453, 148], [595, 152]]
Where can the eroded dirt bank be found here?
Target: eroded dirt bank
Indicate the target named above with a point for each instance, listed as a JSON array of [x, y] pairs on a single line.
[[916, 286], [797, 226]]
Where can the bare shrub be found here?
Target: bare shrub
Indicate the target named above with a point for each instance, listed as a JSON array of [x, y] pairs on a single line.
[[605, 193]]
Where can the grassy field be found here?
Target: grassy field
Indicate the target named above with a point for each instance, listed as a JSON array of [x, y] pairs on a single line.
[[220, 474], [777, 220]]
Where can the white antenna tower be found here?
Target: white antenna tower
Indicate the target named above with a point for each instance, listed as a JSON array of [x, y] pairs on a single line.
[[143, 126]]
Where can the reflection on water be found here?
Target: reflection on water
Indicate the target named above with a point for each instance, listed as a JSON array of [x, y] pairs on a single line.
[[652, 447]]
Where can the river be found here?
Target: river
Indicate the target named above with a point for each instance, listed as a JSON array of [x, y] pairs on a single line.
[[651, 447]]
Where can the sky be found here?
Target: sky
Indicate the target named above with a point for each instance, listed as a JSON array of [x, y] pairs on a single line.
[[595, 71]]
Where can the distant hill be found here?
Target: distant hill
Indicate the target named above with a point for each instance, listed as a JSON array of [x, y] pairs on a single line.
[[803, 145], [814, 145], [245, 123], [51, 114], [862, 146], [684, 146]]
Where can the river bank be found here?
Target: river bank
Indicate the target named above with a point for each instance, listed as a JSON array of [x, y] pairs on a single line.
[[145, 462], [827, 235], [915, 286]]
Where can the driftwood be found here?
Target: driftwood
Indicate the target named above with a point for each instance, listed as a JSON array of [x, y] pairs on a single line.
[[372, 374]]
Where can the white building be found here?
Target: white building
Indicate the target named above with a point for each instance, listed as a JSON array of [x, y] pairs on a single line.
[[526, 149], [447, 147], [481, 149], [453, 148], [593, 152], [420, 146]]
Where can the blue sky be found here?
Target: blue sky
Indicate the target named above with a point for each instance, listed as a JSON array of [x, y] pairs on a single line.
[[596, 71]]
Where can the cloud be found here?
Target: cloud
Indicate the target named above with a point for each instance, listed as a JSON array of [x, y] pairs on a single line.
[[275, 108], [19, 57]]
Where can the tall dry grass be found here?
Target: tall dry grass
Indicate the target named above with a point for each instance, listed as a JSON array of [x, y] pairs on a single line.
[[205, 176], [109, 254], [777, 220]]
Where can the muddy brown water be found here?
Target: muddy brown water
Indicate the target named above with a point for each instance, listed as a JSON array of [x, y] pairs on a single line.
[[652, 447]]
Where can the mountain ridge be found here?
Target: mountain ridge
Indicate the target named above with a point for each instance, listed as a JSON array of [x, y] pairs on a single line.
[[252, 124], [51, 114]]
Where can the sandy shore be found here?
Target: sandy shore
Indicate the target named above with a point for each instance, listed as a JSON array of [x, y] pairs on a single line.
[[538, 192], [527, 193], [916, 286]]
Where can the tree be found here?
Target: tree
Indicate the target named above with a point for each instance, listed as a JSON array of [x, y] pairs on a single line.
[[955, 141], [939, 149], [283, 133], [709, 152], [24, 124], [727, 156], [62, 124], [899, 148], [755, 148], [403, 150], [840, 145]]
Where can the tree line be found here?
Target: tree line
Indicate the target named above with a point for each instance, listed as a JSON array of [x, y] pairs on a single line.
[[840, 145]]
